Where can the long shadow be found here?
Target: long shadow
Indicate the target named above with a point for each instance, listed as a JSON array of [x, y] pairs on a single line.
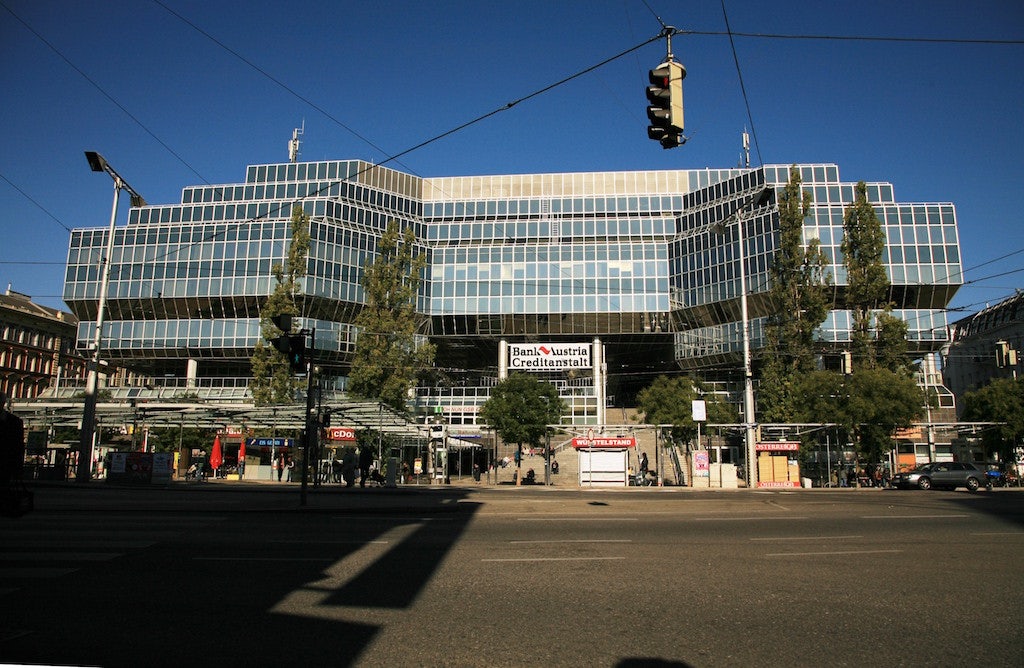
[[1007, 505], [258, 591]]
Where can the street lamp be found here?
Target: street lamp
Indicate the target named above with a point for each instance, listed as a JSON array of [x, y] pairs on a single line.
[[757, 199], [98, 164]]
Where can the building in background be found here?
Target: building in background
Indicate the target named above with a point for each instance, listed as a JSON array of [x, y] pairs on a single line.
[[985, 346], [644, 264], [37, 348]]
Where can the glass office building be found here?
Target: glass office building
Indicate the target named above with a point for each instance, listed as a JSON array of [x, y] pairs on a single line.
[[645, 262]]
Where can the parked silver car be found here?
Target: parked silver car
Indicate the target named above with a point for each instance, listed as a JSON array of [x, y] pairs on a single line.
[[943, 475]]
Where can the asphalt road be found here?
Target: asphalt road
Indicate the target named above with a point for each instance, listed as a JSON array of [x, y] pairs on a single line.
[[212, 576]]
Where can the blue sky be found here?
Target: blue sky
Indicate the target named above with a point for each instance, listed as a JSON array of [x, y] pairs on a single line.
[[184, 92]]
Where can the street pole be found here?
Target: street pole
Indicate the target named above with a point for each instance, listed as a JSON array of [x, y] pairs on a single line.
[[748, 380], [98, 164], [547, 456], [308, 435]]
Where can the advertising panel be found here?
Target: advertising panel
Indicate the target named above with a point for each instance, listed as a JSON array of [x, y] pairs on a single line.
[[548, 356], [701, 464]]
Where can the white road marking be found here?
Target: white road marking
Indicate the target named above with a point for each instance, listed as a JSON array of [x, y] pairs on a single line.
[[806, 538], [744, 519], [829, 554], [557, 559], [596, 540], [911, 517]]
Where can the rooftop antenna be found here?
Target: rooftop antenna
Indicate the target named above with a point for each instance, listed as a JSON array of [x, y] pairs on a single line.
[[746, 148], [293, 143]]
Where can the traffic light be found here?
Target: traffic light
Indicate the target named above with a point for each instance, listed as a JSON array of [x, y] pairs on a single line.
[[283, 321], [666, 111], [293, 346]]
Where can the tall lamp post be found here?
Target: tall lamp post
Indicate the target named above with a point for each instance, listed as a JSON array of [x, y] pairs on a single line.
[[98, 164], [748, 380], [757, 199]]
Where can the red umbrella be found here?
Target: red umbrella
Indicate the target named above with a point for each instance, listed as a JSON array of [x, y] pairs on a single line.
[[216, 457], [241, 452]]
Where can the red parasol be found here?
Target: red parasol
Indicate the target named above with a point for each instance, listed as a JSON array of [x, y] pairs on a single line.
[[216, 457], [241, 452]]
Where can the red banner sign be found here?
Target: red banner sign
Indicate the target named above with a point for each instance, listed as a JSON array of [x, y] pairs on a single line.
[[341, 434], [603, 442], [771, 446]]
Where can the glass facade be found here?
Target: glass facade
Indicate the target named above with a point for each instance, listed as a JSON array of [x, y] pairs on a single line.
[[646, 261]]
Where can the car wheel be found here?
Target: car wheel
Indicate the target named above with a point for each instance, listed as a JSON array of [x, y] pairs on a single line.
[[924, 483], [973, 484]]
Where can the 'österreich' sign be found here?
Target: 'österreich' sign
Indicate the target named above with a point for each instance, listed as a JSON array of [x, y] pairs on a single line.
[[548, 356]]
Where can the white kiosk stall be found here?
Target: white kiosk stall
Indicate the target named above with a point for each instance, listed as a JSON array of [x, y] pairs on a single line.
[[604, 461]]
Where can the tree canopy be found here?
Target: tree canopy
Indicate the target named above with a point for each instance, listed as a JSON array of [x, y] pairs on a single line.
[[389, 357], [670, 401], [272, 379], [869, 405], [800, 291], [1002, 400], [521, 407], [867, 285]]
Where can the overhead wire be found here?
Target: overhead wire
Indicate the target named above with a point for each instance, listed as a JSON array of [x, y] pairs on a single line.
[[393, 158], [743, 87]]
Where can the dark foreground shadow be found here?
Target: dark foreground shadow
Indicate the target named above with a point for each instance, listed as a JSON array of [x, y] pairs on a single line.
[[262, 589]]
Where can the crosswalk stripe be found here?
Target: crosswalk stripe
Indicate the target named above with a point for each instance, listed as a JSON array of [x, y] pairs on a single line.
[[59, 556], [106, 544], [34, 572]]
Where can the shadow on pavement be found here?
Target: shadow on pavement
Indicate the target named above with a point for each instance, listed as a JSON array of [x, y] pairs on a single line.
[[263, 588]]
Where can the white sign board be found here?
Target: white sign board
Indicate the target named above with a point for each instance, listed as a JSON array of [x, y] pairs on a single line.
[[548, 356], [700, 410]]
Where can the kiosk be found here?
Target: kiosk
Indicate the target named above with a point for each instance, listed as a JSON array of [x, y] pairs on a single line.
[[604, 461], [777, 465]]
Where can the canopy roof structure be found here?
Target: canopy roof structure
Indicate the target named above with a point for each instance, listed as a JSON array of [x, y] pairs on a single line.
[[41, 414]]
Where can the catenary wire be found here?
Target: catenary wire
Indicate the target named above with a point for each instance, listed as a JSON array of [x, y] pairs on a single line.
[[729, 33], [743, 88]]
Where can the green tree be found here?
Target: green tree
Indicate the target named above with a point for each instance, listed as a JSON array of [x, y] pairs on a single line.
[[670, 401], [520, 409], [891, 342], [388, 358], [869, 405], [800, 292], [1002, 401], [168, 439], [272, 379], [867, 285]]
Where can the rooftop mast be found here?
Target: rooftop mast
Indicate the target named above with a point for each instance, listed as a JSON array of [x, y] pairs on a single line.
[[293, 143]]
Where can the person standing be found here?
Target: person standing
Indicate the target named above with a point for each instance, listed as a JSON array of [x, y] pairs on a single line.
[[12, 443], [348, 467], [365, 462]]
